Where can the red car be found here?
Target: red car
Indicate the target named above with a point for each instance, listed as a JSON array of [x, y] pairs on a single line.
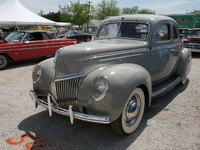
[[184, 32], [28, 44], [192, 40]]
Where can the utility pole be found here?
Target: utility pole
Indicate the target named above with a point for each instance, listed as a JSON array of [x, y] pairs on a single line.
[[195, 18], [88, 16]]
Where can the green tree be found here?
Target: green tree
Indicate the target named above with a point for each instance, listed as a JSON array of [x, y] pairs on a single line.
[[194, 12], [65, 16], [41, 13], [79, 13], [127, 10], [146, 11], [107, 8], [52, 16]]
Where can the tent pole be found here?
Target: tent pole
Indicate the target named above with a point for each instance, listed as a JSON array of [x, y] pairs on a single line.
[[58, 30], [17, 27]]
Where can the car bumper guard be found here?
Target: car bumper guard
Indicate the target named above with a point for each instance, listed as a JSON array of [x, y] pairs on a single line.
[[72, 114]]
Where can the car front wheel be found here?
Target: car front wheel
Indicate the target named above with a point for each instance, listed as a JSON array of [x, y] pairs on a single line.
[[4, 61], [132, 113], [87, 40]]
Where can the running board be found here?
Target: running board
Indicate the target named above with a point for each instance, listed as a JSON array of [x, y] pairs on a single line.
[[161, 89]]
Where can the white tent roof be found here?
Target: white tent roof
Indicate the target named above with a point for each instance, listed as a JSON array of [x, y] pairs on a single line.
[[63, 24], [12, 12]]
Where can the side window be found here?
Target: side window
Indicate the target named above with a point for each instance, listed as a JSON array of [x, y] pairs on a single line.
[[174, 33], [31, 37], [79, 32], [45, 36], [162, 33]]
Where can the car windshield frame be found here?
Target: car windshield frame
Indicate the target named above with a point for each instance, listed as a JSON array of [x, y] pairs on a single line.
[[117, 26], [194, 33], [16, 36], [69, 33]]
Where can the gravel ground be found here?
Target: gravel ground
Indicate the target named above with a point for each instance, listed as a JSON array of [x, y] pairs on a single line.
[[173, 121]]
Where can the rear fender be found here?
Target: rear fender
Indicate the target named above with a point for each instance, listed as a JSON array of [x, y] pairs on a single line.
[[185, 64], [123, 79]]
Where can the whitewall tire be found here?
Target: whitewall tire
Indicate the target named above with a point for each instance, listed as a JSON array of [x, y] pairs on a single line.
[[132, 113]]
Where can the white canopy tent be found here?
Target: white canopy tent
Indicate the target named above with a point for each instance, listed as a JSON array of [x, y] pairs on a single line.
[[13, 13]]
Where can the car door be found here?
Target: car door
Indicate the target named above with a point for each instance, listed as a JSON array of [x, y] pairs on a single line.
[[81, 36], [35, 45], [164, 52]]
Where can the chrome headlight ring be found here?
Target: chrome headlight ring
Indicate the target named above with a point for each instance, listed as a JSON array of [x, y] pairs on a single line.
[[37, 72], [99, 87]]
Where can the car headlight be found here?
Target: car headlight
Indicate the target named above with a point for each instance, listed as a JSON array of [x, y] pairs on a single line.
[[37, 72], [99, 87]]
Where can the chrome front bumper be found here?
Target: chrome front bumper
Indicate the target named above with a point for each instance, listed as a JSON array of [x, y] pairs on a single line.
[[194, 50], [85, 117]]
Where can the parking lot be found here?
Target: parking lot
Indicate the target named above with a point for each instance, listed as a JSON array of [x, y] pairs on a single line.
[[173, 121]]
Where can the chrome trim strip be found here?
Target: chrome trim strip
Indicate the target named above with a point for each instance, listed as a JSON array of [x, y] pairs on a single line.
[[194, 50], [121, 57], [76, 115], [70, 77], [114, 54]]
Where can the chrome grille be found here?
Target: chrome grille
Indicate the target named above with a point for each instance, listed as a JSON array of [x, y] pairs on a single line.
[[192, 46], [67, 90]]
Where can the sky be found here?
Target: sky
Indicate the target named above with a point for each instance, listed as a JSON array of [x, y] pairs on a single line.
[[160, 6]]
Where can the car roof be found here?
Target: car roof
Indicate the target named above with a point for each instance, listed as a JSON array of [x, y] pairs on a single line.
[[184, 28], [32, 31], [195, 29], [140, 17]]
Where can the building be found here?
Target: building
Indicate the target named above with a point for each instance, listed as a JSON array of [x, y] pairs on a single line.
[[187, 20], [92, 26]]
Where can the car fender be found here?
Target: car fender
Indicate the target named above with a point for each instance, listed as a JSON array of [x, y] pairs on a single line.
[[185, 63], [123, 79], [43, 84]]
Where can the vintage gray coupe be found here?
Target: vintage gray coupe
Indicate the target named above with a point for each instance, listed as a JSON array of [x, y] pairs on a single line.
[[112, 79]]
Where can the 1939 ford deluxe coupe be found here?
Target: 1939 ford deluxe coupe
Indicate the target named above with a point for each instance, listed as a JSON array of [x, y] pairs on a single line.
[[112, 79]]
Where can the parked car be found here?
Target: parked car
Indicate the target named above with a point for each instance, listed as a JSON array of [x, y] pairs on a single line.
[[184, 32], [112, 79], [192, 40], [78, 35], [28, 44]]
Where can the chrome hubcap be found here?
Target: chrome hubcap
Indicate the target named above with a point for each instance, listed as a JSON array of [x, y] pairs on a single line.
[[132, 110]]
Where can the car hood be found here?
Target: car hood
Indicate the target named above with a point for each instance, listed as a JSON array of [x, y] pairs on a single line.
[[85, 57]]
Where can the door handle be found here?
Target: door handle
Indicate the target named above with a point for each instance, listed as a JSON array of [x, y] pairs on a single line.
[[173, 50]]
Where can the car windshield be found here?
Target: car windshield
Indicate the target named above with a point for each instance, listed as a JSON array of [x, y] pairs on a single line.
[[69, 33], [135, 30], [184, 31], [15, 36], [194, 33]]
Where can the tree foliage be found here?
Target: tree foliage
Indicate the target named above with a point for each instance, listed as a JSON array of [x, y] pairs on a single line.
[[65, 16], [41, 13], [146, 11], [52, 16], [194, 12], [78, 13], [127, 10], [107, 8]]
